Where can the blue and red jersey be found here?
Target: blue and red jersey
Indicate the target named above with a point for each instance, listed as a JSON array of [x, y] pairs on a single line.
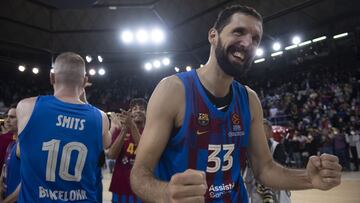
[[210, 140]]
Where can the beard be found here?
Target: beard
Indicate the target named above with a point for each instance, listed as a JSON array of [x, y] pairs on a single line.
[[230, 68]]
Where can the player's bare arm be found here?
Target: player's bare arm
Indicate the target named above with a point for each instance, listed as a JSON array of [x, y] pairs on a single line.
[[165, 110], [115, 148], [161, 113], [105, 130], [24, 110], [126, 118], [13, 196]]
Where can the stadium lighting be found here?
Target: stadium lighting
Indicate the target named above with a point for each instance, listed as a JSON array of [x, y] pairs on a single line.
[[276, 53], [156, 64], [305, 43], [88, 58], [291, 47], [166, 61], [100, 58], [319, 39], [340, 35], [127, 36], [21, 68], [296, 40], [188, 68], [259, 60], [142, 36], [276, 46], [259, 52], [101, 71], [148, 66], [201, 65], [177, 69], [52, 70], [35, 70], [92, 72], [157, 36]]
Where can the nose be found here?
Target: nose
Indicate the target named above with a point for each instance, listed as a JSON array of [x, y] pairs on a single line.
[[246, 40]]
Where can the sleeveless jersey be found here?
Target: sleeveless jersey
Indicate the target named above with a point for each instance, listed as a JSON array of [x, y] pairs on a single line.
[[120, 181], [59, 152], [210, 140], [11, 169]]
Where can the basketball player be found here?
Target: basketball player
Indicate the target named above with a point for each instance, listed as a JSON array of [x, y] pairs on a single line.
[[201, 124], [10, 175], [61, 139], [123, 149]]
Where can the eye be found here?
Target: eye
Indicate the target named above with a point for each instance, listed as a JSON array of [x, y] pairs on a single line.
[[239, 31]]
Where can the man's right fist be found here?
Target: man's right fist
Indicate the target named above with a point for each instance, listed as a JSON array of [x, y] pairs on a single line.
[[189, 186]]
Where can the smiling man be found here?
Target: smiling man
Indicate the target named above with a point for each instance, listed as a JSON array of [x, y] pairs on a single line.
[[202, 125], [126, 129]]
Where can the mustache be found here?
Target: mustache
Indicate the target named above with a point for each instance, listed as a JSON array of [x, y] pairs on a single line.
[[239, 49]]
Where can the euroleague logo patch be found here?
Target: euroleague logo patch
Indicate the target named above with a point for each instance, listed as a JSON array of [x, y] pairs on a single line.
[[235, 119], [236, 127], [203, 119]]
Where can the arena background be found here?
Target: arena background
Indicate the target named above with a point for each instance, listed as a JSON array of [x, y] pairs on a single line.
[[34, 32]]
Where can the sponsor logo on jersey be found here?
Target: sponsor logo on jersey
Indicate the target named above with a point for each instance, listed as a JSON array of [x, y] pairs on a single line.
[[217, 191], [198, 132], [203, 119]]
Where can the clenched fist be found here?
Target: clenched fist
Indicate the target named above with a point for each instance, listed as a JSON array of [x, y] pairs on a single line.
[[187, 187]]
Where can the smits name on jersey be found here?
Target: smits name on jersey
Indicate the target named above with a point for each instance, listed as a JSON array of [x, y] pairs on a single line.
[[71, 122]]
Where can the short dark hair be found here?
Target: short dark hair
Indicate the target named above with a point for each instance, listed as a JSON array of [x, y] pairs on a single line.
[[12, 106], [225, 15], [138, 101]]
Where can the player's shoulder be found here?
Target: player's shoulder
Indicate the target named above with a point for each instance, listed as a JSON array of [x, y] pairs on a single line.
[[170, 84], [103, 114], [252, 94], [27, 102], [173, 80]]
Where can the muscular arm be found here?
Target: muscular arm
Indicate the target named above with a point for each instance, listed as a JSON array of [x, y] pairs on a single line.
[[24, 110], [266, 170], [115, 148], [162, 109]]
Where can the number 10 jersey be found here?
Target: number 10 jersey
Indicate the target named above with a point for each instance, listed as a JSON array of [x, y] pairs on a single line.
[[59, 152]]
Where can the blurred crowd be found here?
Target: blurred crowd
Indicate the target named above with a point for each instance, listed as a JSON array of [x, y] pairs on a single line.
[[320, 107]]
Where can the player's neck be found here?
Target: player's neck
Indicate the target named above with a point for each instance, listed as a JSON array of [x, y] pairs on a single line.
[[214, 79], [68, 94]]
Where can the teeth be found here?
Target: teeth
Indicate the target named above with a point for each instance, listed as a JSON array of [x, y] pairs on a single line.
[[240, 55]]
